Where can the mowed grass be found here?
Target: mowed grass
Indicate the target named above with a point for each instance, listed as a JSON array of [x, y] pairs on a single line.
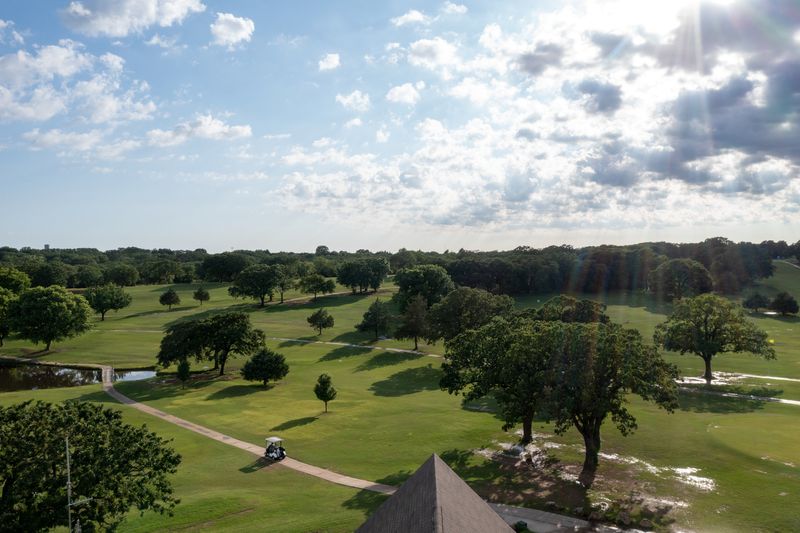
[[222, 488], [389, 415]]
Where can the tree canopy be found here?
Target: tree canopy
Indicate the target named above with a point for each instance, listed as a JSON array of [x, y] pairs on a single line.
[[256, 281], [121, 274], [107, 298], [320, 319], [363, 274], [756, 301], [316, 284], [223, 267], [169, 298], [265, 365], [465, 308], [114, 466], [324, 390], [47, 314], [414, 321], [14, 280], [679, 278], [6, 297], [201, 295], [376, 319], [709, 325], [784, 303], [431, 281]]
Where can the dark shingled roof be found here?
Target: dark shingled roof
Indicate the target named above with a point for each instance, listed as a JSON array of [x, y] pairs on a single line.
[[434, 500]]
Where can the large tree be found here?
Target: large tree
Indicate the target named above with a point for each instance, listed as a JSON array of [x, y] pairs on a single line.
[[6, 297], [756, 301], [709, 325], [376, 319], [320, 319], [107, 298], [679, 278], [14, 280], [257, 281], [414, 321], [316, 284], [87, 276], [465, 308], [431, 281], [223, 267], [114, 466], [51, 273], [47, 314], [169, 298], [265, 365]]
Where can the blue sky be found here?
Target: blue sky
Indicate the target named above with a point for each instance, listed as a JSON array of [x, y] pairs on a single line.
[[380, 125]]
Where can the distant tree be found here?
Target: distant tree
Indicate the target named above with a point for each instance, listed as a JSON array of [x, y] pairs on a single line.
[[169, 298], [185, 274], [47, 314], [121, 274], [256, 281], [184, 371], [376, 318], [316, 284], [51, 273], [14, 280], [756, 301], [322, 250], [708, 325], [431, 281], [201, 295], [88, 276], [223, 267], [320, 319], [265, 365], [160, 271], [107, 298], [284, 279], [784, 303], [414, 322], [324, 390], [463, 309], [679, 278], [568, 309], [115, 466], [350, 274], [6, 297], [377, 269]]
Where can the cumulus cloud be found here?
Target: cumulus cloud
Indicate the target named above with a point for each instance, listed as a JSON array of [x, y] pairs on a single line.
[[353, 123], [543, 56], [411, 17], [450, 8], [229, 30], [203, 127], [329, 62], [91, 143], [124, 17], [8, 35], [406, 93], [355, 101], [600, 97], [433, 53]]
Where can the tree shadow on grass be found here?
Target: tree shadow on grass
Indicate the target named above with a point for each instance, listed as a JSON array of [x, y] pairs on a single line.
[[151, 391], [158, 312], [409, 381], [366, 500], [698, 401], [356, 337], [289, 424], [297, 341], [385, 359], [236, 391], [342, 352], [208, 313], [255, 466]]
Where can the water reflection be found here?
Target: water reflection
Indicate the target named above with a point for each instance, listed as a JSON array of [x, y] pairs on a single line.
[[26, 377]]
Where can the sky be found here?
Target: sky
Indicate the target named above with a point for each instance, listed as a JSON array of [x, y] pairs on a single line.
[[426, 125]]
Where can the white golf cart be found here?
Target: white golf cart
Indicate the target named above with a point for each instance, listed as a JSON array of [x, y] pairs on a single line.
[[275, 449]]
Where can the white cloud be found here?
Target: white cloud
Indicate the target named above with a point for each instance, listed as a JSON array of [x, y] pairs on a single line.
[[382, 135], [405, 93], [41, 104], [90, 143], [230, 30], [277, 136], [8, 34], [353, 123], [63, 60], [203, 127], [356, 100], [449, 8], [411, 17], [123, 17], [168, 44], [329, 62], [433, 53]]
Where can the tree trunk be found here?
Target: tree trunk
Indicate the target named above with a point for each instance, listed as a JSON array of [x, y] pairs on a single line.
[[270, 297], [416, 343], [591, 439], [708, 375], [265, 383], [1, 341], [527, 429], [103, 316], [262, 302], [222, 360], [216, 361], [326, 407], [281, 296], [47, 348]]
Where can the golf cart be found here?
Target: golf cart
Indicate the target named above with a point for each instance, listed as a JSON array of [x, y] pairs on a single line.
[[275, 449]]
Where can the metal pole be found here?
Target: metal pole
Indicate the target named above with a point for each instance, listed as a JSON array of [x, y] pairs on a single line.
[[69, 491]]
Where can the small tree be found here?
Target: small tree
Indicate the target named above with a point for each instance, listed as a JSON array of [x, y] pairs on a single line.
[[320, 320], [376, 318], [264, 366], [183, 371], [756, 301], [201, 295], [47, 314], [316, 284], [169, 298], [284, 280], [324, 390], [107, 298], [709, 325], [784, 303], [414, 322]]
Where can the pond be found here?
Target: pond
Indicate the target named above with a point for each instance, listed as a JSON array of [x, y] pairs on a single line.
[[21, 376]]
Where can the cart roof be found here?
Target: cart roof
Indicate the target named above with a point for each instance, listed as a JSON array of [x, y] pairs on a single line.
[[274, 439]]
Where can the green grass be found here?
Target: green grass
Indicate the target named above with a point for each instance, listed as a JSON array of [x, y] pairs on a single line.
[[225, 489], [389, 416]]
